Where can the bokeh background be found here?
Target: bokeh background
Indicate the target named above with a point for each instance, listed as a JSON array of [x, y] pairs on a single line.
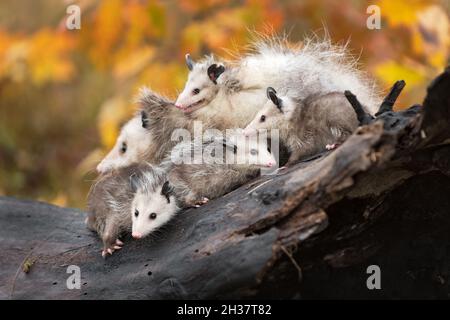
[[65, 93]]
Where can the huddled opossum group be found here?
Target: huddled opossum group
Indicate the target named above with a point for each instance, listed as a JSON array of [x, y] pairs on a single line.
[[145, 179]]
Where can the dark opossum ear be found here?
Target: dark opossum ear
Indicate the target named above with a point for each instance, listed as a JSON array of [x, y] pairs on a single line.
[[189, 61], [226, 145], [166, 189], [272, 95], [134, 182], [214, 71], [144, 119]]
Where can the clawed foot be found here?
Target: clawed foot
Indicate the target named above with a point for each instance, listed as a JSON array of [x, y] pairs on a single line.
[[331, 146], [281, 169], [110, 250], [201, 202]]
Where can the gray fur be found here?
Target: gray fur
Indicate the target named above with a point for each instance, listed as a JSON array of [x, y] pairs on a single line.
[[110, 198], [316, 122], [193, 182]]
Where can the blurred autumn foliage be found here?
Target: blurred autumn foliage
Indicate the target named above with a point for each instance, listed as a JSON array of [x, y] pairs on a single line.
[[65, 93]]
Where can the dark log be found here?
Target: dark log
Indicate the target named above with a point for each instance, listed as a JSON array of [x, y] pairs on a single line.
[[389, 100], [310, 231], [362, 116]]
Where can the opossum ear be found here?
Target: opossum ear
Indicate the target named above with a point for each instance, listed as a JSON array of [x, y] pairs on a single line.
[[226, 145], [134, 182], [272, 95], [166, 189], [214, 71], [189, 61], [144, 119]]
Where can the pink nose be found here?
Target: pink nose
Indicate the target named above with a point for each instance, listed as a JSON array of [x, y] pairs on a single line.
[[179, 106], [270, 163], [136, 235]]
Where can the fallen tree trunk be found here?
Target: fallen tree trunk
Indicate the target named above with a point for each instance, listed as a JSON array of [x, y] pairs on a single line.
[[310, 231]]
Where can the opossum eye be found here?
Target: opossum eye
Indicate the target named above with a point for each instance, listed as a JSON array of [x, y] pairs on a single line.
[[262, 119], [153, 216], [136, 213], [196, 91], [253, 152], [268, 149], [123, 149]]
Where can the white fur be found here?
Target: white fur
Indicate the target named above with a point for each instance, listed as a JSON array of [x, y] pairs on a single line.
[[226, 103], [252, 150], [137, 139], [147, 203], [274, 119], [318, 67]]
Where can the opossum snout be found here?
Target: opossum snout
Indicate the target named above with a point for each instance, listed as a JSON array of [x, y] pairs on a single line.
[[248, 132], [136, 235], [101, 167], [179, 106], [270, 164]]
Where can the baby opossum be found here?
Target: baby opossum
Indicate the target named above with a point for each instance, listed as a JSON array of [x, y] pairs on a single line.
[[213, 95], [147, 136], [131, 146], [306, 126], [234, 91], [223, 166], [135, 198]]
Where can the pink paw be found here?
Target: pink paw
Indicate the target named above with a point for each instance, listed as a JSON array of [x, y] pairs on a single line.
[[110, 250]]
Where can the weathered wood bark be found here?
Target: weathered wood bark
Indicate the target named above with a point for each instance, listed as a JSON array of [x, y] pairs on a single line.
[[311, 231]]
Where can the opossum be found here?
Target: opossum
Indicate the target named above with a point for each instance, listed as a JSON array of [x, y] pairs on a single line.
[[234, 91], [224, 165], [308, 126], [213, 94], [147, 136], [220, 169], [131, 146], [130, 194]]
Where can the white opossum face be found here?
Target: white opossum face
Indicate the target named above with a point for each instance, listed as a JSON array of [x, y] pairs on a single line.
[[201, 86], [130, 147], [273, 114], [250, 150], [151, 210]]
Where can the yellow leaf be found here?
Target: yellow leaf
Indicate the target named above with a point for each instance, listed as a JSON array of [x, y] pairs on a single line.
[[106, 31], [390, 72], [399, 12], [164, 78], [48, 57], [133, 63]]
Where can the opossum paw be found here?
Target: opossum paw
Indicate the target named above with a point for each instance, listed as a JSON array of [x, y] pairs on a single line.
[[201, 202], [110, 250], [331, 146]]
